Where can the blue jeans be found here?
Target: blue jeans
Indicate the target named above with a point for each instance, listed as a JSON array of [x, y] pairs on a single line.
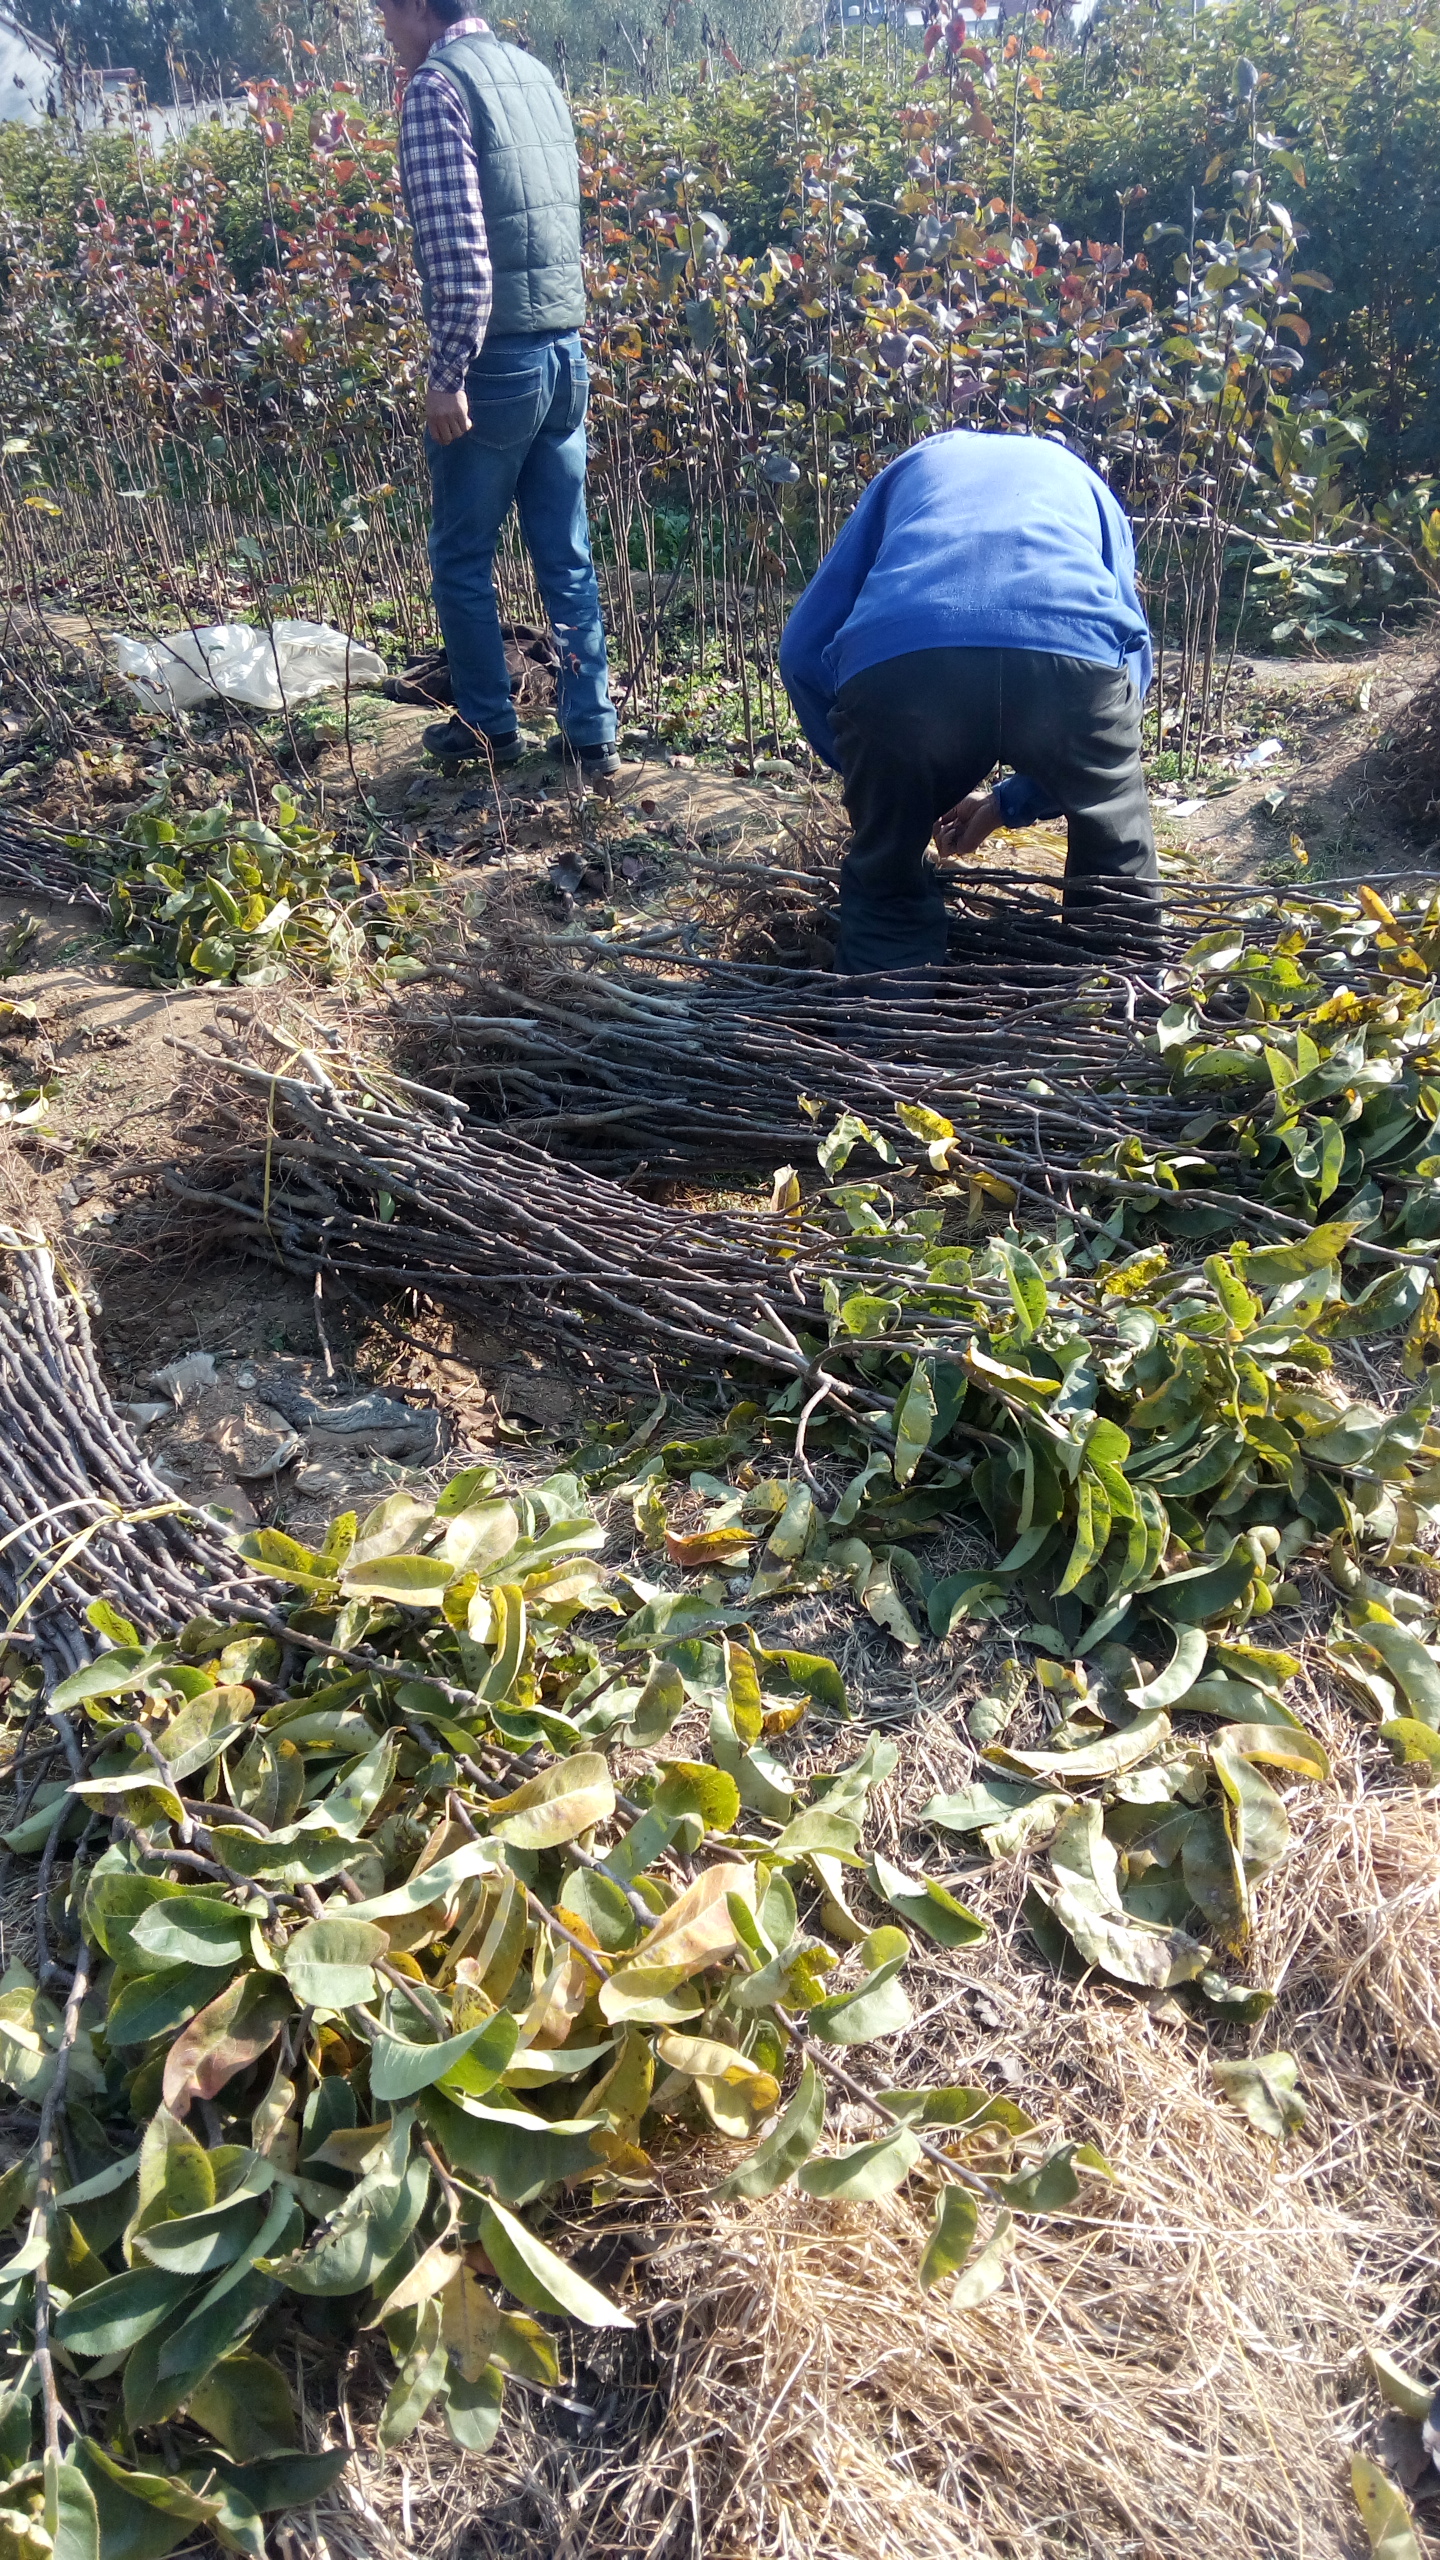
[[527, 401]]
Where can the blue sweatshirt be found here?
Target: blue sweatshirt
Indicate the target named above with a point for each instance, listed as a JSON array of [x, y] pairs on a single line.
[[970, 542]]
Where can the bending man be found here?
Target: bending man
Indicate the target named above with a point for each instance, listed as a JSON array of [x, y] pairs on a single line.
[[492, 186], [979, 608]]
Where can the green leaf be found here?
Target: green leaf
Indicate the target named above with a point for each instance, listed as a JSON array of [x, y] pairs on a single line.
[[951, 2237], [1270, 1267], [961, 1595], [881, 1601], [1133, 1951], [695, 1787], [419, 1582], [1202, 1591], [189, 1929], [329, 1964], [156, 2003], [870, 2170], [71, 2519], [518, 2154], [982, 2275], [204, 1727], [473, 2410], [788, 2144], [535, 2275], [107, 1622], [927, 1905], [598, 1900], [115, 1901], [877, 2007], [143, 2515], [286, 2479], [975, 1807], [1052, 2187], [1263, 2087], [568, 1798], [1384, 1307], [108, 1676], [1106, 1758], [1383, 2512], [813, 1673], [245, 2403], [398, 2069], [195, 2244], [369, 2226], [659, 1704], [1410, 1664], [420, 2377], [914, 1421], [115, 2315], [479, 1536], [435, 1883], [1179, 1675]]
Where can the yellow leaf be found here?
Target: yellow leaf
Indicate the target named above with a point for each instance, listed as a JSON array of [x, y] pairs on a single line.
[[569, 1797], [469, 2321], [696, 1930]]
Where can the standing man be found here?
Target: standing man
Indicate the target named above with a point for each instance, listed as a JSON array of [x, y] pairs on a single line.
[[979, 607], [492, 186]]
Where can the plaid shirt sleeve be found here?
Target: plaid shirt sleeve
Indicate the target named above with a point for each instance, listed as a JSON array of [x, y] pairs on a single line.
[[441, 178]]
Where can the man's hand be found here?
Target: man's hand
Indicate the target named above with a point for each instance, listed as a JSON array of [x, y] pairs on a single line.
[[447, 415], [967, 825]]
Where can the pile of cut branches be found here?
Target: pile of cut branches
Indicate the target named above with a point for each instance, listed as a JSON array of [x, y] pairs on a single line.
[[37, 862], [197, 896], [1279, 1068], [84, 1514]]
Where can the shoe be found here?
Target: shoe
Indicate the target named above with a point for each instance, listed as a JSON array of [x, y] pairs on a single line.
[[455, 742], [597, 764]]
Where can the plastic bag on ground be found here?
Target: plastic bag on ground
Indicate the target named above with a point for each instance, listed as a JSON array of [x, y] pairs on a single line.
[[288, 664]]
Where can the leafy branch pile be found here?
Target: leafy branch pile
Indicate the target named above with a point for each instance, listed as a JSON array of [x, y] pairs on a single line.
[[375, 1959], [1147, 1454], [207, 896], [375, 1954]]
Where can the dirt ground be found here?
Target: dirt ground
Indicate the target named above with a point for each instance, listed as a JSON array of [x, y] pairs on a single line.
[[1179, 2385]]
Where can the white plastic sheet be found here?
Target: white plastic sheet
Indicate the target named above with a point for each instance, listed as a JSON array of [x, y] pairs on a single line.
[[288, 664]]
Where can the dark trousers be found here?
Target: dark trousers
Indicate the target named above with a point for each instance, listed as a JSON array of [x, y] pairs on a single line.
[[916, 733]]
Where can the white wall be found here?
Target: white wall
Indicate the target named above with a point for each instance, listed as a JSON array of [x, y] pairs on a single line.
[[26, 77], [117, 115]]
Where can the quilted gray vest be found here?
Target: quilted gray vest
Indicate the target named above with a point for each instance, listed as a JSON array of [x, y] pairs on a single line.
[[529, 184]]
